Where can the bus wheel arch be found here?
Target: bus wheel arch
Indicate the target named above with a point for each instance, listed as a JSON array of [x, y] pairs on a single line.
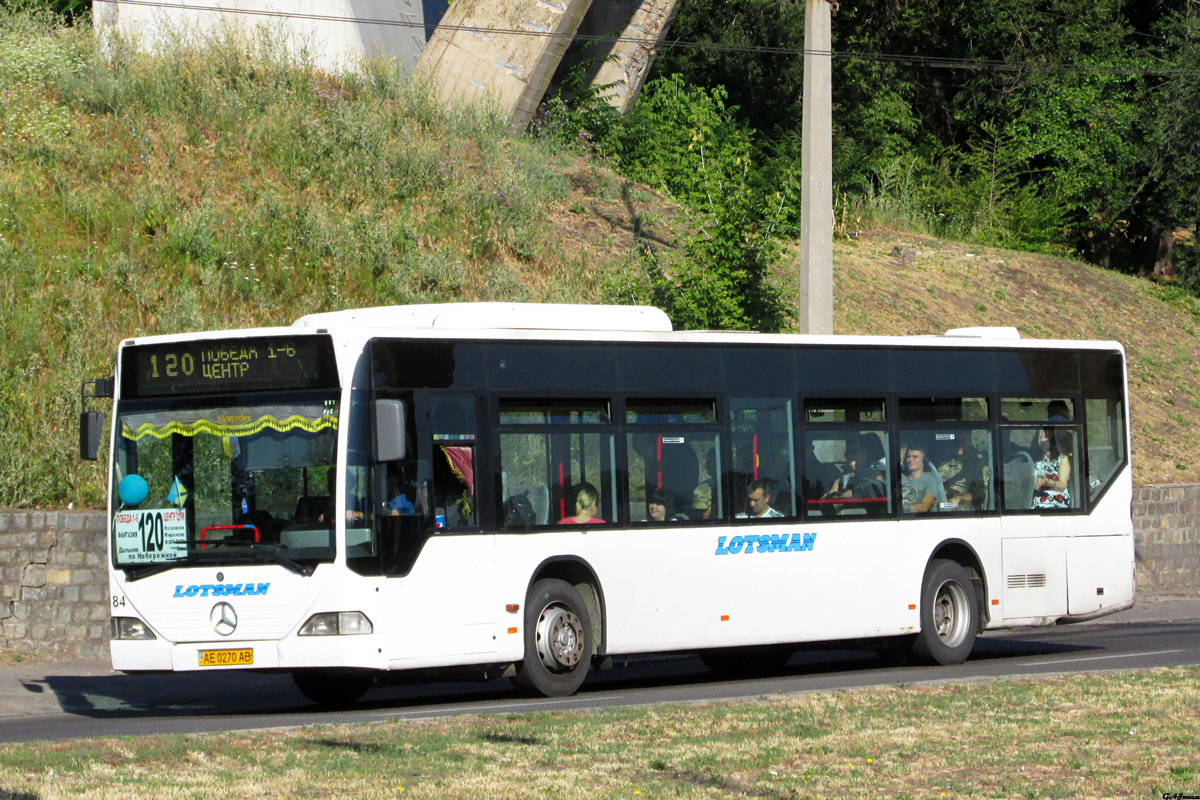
[[579, 573], [558, 640], [965, 555], [949, 612]]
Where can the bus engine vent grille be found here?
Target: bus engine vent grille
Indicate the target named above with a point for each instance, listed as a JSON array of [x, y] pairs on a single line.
[[1035, 581]]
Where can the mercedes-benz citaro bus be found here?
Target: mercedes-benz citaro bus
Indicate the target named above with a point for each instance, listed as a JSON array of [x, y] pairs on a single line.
[[530, 490]]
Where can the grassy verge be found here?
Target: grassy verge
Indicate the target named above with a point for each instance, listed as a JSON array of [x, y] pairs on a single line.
[[1127, 734]]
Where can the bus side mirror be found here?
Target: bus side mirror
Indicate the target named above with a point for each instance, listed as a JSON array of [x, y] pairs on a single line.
[[91, 425], [391, 426]]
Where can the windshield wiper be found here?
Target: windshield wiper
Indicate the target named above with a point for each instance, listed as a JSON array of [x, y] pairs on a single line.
[[284, 561], [137, 573]]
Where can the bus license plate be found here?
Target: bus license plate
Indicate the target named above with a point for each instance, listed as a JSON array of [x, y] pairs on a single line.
[[227, 658]]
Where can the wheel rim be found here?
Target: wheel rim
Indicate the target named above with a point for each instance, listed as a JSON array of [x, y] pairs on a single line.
[[560, 638], [951, 615]]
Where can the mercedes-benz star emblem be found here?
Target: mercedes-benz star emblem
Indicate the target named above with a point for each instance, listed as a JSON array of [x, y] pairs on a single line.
[[223, 619]]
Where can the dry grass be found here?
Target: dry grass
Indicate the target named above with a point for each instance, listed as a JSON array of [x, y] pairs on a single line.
[[1129, 734], [896, 284]]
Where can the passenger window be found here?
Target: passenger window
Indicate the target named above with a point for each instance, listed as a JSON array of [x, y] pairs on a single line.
[[674, 461], [945, 462], [837, 409], [1040, 468], [846, 473], [943, 409], [1103, 383], [763, 450], [1105, 442], [555, 455], [452, 420], [1037, 409]]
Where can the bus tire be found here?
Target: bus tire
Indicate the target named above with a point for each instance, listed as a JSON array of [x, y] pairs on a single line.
[[558, 640], [328, 687], [949, 615]]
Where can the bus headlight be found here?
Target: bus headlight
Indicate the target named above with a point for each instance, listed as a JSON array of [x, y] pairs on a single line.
[[130, 628], [337, 623]]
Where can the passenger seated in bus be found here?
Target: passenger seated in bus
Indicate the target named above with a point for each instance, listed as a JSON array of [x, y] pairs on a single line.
[[964, 476], [702, 502], [862, 481], [1051, 473], [404, 498], [819, 475], [758, 499], [1058, 411], [919, 488], [661, 507], [587, 506]]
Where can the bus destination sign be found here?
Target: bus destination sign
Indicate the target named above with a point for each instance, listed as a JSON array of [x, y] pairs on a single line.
[[232, 365]]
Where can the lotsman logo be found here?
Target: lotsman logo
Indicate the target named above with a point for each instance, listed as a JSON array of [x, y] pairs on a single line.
[[767, 543], [222, 590]]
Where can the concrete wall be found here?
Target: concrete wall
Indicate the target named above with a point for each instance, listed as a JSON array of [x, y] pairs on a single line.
[[337, 34], [54, 582]]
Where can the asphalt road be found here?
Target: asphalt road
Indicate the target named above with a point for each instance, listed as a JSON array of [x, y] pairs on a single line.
[[86, 700]]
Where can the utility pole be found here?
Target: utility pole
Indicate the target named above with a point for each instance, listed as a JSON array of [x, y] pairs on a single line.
[[816, 168]]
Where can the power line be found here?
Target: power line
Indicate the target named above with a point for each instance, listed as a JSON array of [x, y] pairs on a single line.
[[929, 62]]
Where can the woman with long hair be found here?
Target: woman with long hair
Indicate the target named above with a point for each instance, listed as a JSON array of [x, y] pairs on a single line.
[[1051, 473]]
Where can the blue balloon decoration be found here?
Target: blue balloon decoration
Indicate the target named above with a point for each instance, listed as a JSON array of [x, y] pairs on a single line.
[[132, 489]]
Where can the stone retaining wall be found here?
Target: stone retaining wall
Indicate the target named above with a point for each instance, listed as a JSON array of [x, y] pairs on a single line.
[[1166, 530], [54, 582]]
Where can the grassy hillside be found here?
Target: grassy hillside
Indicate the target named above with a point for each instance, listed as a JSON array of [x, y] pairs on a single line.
[[227, 184]]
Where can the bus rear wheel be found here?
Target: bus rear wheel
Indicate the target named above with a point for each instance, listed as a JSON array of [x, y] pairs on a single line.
[[329, 687], [949, 615], [558, 640]]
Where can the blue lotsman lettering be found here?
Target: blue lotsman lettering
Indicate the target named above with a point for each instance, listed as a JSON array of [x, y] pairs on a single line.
[[751, 540], [779, 543], [802, 542], [736, 544], [178, 591], [721, 551]]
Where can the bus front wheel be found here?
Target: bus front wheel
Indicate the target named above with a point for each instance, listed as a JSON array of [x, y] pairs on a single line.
[[949, 615], [558, 640]]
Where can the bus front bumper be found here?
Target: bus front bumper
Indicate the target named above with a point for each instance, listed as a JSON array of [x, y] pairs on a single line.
[[293, 653]]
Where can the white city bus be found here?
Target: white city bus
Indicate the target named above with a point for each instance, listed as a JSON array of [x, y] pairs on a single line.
[[530, 490]]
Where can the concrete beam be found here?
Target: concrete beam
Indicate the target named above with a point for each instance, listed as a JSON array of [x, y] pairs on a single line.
[[500, 51], [619, 66]]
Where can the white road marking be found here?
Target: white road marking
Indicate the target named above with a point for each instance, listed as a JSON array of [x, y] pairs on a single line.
[[530, 705], [1100, 658]]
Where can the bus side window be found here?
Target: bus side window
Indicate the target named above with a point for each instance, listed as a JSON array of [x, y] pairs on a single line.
[[452, 420], [764, 449], [548, 450]]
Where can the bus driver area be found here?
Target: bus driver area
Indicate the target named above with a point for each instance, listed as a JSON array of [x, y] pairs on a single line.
[[499, 488]]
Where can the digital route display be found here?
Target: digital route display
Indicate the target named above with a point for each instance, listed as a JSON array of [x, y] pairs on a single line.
[[229, 365]]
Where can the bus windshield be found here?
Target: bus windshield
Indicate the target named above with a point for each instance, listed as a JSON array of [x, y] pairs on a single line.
[[225, 483]]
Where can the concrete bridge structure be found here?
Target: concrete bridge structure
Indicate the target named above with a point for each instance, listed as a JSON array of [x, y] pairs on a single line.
[[502, 52]]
